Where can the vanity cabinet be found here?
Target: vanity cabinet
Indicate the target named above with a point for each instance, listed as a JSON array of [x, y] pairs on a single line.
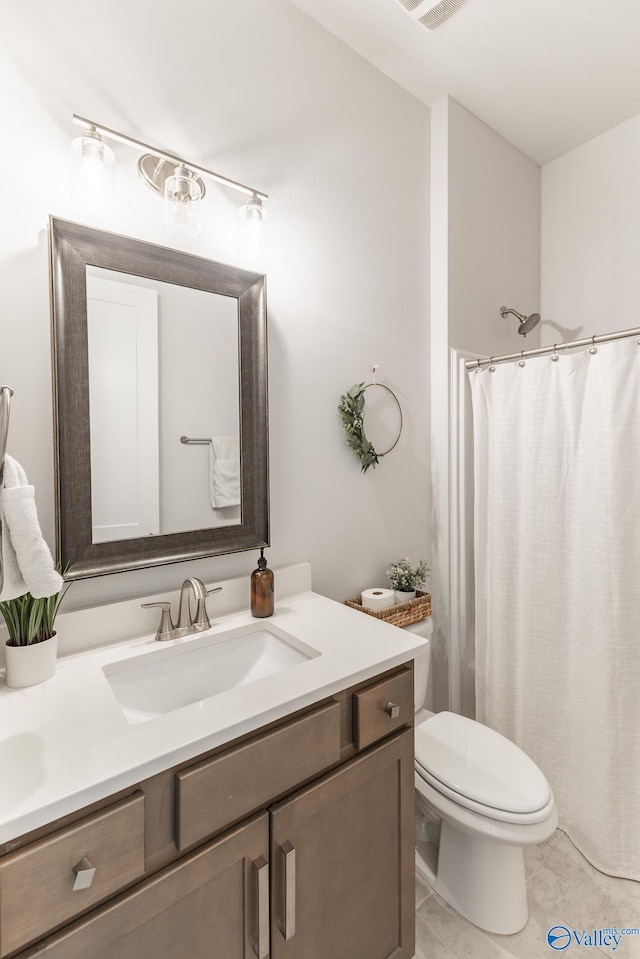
[[201, 907], [320, 865], [342, 861], [57, 877]]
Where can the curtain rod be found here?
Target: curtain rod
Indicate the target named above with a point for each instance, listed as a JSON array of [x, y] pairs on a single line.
[[587, 341]]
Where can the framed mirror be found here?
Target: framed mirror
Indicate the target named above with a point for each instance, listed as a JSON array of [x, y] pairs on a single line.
[[160, 403]]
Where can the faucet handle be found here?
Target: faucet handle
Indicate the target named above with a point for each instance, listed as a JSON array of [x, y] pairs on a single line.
[[202, 622], [166, 628]]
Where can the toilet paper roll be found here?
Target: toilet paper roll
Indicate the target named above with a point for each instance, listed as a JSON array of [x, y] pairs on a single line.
[[377, 599]]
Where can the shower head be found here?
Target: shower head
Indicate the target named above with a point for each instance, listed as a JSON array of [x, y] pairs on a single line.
[[527, 323]]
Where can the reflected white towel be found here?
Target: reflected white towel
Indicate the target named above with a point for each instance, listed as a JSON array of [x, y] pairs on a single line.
[[26, 558], [224, 471]]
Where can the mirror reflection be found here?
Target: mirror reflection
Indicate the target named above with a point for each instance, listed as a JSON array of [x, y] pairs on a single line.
[[164, 407], [160, 396]]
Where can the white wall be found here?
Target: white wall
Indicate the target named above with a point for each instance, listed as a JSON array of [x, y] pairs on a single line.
[[261, 93], [485, 254], [494, 237], [590, 237], [199, 385]]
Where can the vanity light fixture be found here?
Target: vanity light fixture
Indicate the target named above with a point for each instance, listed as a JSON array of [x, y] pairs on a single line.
[[181, 183], [182, 195], [182, 191], [253, 230], [92, 171]]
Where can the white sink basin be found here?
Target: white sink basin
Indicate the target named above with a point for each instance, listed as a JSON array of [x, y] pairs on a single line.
[[197, 668]]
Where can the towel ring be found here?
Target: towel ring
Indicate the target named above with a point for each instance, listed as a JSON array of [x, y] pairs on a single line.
[[5, 410]]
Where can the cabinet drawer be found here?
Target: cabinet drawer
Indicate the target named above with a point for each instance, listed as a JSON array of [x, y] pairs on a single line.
[[383, 708], [249, 777], [36, 883], [204, 906]]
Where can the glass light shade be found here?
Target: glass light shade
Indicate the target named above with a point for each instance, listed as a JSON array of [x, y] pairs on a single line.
[[253, 232], [182, 195], [92, 167]]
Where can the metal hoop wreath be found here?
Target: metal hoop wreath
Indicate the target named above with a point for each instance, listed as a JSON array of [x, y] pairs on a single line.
[[383, 387]]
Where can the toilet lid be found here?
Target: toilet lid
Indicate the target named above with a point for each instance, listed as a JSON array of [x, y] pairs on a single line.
[[478, 763]]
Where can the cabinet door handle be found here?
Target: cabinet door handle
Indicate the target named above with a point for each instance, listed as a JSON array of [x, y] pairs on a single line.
[[392, 709], [84, 873], [261, 947], [288, 927]]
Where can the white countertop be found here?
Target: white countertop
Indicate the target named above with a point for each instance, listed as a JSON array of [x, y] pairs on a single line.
[[66, 743]]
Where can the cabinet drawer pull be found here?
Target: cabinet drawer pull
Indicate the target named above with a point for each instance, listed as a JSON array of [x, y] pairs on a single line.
[[84, 874], [288, 927], [392, 709], [261, 947]]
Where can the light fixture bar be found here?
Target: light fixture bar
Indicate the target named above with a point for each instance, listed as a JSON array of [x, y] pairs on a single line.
[[171, 157]]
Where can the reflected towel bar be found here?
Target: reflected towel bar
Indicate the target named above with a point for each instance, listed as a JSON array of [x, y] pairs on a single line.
[[194, 441]]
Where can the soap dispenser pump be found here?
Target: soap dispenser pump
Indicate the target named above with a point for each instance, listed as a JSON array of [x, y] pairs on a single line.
[[262, 589]]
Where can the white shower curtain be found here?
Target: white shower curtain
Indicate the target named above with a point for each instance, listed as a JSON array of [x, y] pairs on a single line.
[[557, 565]]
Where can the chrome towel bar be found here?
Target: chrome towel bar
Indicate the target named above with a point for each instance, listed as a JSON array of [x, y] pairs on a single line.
[[194, 441]]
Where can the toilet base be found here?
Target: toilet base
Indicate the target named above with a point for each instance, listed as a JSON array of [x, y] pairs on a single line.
[[483, 880]]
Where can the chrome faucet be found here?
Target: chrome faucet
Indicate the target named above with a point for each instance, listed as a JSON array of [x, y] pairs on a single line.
[[186, 624]]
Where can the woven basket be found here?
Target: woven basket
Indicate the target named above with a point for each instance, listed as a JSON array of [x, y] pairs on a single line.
[[401, 615]]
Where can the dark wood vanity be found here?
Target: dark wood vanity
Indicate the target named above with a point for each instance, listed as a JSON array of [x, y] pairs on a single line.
[[293, 841]]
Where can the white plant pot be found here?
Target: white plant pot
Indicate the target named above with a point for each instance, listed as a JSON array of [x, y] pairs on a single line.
[[30, 665], [400, 596]]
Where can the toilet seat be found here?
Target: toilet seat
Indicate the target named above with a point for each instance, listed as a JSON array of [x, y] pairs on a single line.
[[488, 812], [480, 770]]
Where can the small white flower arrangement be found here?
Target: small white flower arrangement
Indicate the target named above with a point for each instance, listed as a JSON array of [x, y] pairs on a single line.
[[405, 578]]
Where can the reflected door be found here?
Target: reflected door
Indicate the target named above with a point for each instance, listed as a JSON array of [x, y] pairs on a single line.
[[122, 322]]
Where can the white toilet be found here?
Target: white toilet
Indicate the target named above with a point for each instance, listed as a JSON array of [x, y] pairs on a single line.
[[479, 800]]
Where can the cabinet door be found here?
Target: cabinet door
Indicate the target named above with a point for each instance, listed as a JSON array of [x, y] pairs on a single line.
[[213, 903], [342, 857]]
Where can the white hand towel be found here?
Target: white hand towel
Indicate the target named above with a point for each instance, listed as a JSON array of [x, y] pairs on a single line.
[[12, 583], [27, 561], [224, 471]]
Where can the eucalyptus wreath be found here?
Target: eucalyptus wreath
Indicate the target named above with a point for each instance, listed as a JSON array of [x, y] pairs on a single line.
[[351, 412]]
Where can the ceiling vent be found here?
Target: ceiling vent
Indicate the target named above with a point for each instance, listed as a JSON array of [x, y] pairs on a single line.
[[432, 13]]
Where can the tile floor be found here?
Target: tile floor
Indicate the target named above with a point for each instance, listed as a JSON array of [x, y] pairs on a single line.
[[564, 889]]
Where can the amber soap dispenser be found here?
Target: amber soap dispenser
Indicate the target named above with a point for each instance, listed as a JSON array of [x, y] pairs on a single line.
[[262, 589]]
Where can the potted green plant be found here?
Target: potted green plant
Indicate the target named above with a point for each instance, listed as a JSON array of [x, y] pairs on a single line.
[[406, 579], [32, 647]]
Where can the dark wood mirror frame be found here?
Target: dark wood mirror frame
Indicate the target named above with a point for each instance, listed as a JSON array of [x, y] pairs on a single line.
[[72, 248]]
